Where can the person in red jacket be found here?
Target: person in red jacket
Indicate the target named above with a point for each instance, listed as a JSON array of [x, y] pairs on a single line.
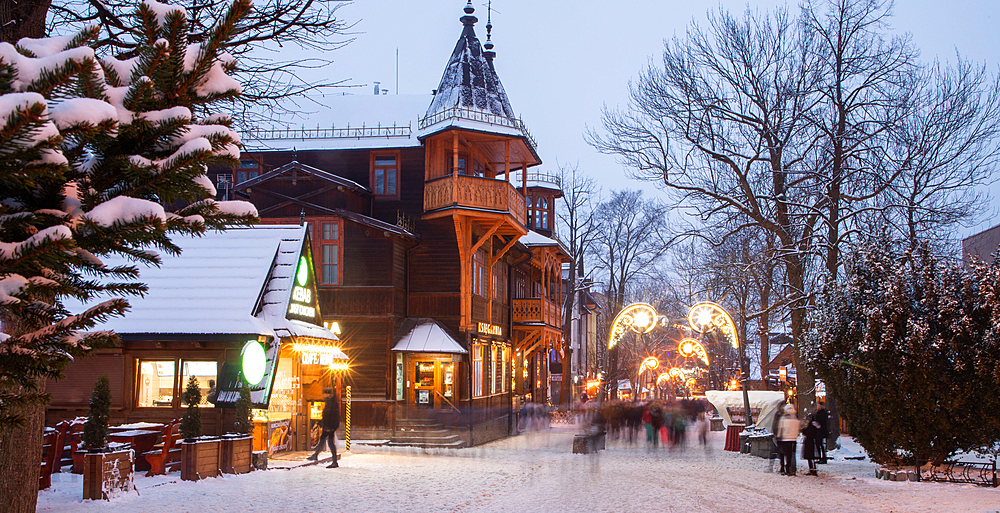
[[330, 423]]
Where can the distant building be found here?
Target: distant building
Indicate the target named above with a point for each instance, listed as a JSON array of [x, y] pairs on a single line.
[[981, 245]]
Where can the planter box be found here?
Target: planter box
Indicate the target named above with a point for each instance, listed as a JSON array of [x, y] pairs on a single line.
[[234, 454], [200, 459], [107, 474]]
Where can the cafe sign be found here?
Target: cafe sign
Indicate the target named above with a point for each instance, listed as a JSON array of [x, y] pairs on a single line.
[[486, 328], [303, 303]]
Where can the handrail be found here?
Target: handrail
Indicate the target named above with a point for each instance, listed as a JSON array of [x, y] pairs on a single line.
[[447, 401]]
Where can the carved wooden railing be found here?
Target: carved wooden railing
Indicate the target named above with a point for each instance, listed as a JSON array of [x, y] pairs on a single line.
[[474, 192], [537, 309]]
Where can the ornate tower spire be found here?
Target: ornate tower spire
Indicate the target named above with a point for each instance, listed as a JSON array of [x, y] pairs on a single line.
[[489, 53]]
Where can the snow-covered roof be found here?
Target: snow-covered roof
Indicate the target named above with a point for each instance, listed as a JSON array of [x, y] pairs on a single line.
[[343, 122], [470, 95], [469, 79], [534, 238], [214, 285], [427, 336]]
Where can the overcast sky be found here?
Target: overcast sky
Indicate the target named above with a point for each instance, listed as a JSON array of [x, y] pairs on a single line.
[[560, 62]]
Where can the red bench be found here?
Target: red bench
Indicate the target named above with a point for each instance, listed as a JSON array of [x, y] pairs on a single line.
[[52, 449], [167, 456]]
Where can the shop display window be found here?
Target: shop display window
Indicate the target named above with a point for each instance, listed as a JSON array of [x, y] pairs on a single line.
[[425, 374], [156, 384], [448, 369], [206, 373]]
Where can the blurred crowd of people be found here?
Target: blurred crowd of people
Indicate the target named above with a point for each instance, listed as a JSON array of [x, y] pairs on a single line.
[[664, 423]]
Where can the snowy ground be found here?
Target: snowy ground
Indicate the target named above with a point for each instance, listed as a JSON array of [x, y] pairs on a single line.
[[538, 472]]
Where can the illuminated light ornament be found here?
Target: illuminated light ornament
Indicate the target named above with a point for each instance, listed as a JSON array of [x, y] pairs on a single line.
[[650, 363], [339, 366], [691, 382], [254, 362], [662, 379], [706, 316], [638, 317], [689, 348], [676, 373]]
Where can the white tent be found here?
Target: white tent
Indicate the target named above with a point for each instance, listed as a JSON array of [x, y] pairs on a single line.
[[766, 403]]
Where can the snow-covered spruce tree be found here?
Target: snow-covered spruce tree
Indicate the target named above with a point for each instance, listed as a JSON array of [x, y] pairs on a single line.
[[97, 157], [95, 430], [191, 422], [912, 346]]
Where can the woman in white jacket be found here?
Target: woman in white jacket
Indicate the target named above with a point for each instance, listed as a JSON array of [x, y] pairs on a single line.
[[788, 433]]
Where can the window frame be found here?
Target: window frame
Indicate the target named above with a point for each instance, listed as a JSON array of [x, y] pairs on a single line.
[[377, 194], [477, 369], [319, 243], [178, 381], [479, 286]]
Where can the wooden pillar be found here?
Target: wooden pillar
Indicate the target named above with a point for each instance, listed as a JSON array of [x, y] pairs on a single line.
[[506, 160], [524, 180], [454, 168]]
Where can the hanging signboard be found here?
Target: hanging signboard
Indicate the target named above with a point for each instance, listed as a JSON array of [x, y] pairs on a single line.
[[303, 304]]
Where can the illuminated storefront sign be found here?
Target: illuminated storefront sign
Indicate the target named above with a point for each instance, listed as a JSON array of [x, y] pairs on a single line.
[[302, 304], [254, 362], [486, 328]]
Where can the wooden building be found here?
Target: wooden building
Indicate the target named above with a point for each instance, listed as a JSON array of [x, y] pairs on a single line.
[[446, 300], [225, 292]]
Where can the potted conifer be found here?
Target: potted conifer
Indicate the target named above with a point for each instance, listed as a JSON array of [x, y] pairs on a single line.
[[107, 470], [199, 456], [237, 447]]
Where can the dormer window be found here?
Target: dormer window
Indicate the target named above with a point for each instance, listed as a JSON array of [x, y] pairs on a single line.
[[385, 174]]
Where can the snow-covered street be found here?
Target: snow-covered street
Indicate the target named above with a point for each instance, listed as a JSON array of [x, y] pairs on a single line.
[[537, 472]]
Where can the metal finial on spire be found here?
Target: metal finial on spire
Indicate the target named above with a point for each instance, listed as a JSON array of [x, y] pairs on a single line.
[[469, 9], [489, 25]]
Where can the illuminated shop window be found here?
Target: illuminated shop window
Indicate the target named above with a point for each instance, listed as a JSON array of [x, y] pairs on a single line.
[[207, 375], [477, 370], [157, 381]]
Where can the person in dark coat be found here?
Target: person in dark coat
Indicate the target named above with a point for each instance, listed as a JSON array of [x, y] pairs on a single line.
[[812, 442], [823, 419], [329, 423]]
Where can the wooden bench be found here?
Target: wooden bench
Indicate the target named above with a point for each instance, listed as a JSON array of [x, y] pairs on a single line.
[[52, 449], [165, 457]]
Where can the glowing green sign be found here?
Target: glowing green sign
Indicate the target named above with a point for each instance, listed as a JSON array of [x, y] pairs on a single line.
[[254, 362], [302, 276]]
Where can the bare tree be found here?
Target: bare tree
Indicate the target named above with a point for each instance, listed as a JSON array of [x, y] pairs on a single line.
[[270, 83], [946, 149], [723, 126], [631, 240], [576, 220]]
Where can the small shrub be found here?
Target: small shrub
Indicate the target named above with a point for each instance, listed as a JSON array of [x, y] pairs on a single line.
[[95, 430], [191, 423]]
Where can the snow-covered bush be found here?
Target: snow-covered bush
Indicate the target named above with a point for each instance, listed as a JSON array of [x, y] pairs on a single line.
[[101, 155], [911, 348]]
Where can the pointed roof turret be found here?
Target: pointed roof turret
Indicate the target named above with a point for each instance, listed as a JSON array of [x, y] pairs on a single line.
[[469, 80]]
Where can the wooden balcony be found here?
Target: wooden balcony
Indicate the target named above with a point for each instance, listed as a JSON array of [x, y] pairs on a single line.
[[474, 192], [538, 310]]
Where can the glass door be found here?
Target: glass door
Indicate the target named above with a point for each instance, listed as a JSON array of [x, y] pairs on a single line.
[[424, 384]]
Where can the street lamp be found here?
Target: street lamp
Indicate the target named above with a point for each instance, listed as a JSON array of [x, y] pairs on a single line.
[[637, 317], [706, 316], [650, 364]]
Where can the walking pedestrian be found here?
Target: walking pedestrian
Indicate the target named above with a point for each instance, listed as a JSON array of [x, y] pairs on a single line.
[[788, 433], [330, 423], [701, 426], [811, 443], [823, 418]]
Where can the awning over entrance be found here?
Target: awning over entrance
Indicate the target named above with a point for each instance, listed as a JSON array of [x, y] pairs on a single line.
[[426, 336]]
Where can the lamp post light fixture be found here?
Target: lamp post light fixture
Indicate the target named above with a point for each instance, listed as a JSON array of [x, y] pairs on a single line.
[[639, 318], [707, 316]]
